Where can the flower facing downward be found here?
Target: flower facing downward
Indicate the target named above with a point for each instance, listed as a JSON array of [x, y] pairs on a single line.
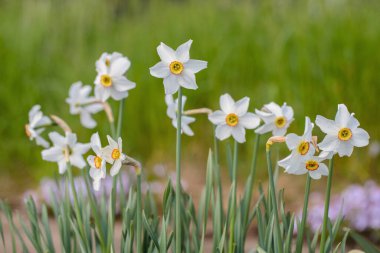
[[233, 119], [342, 134], [97, 162], [110, 80], [113, 154], [176, 67], [81, 103], [65, 150], [312, 165], [37, 123], [276, 119], [172, 113], [301, 146]]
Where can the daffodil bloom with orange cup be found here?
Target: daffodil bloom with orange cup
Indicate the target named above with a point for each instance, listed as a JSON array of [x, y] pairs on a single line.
[[113, 154], [276, 119], [97, 162], [310, 164], [233, 119], [172, 114]]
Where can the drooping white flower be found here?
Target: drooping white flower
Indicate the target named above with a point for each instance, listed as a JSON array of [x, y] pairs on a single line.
[[300, 146], [172, 113], [110, 80], [176, 67], [342, 134], [233, 119], [97, 162], [83, 104], [113, 154], [65, 150], [309, 164], [276, 119], [37, 123]]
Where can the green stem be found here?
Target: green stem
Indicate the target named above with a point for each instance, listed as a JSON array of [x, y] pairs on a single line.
[[232, 216], [252, 173], [272, 191], [178, 176], [139, 212], [120, 118], [218, 179], [304, 214], [327, 205]]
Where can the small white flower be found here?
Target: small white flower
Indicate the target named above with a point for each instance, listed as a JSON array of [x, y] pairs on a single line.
[[176, 67], [110, 80], [65, 150], [172, 113], [233, 119], [83, 104], [113, 154], [301, 146], [312, 165], [276, 119], [342, 134], [37, 123], [97, 162]]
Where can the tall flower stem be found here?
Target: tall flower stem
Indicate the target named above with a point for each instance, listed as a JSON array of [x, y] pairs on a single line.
[[233, 209], [304, 214], [327, 205], [178, 176], [139, 212], [272, 191], [219, 184]]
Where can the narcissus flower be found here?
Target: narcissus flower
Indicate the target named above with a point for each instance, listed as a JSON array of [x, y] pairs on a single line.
[[312, 165], [97, 162], [276, 119], [83, 104], [233, 119], [113, 154], [66, 150], [343, 133], [37, 124], [110, 80], [176, 67], [172, 113], [301, 146]]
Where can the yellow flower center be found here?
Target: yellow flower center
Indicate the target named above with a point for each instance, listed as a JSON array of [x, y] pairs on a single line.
[[280, 122], [98, 162], [312, 165], [344, 134], [108, 62], [303, 147], [115, 154], [106, 80], [232, 119], [176, 67]]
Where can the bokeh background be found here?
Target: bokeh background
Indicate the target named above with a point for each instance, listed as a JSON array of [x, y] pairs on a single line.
[[310, 54]]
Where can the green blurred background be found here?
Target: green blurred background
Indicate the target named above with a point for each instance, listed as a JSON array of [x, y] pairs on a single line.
[[311, 54]]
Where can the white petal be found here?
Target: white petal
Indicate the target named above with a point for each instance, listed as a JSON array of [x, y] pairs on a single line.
[[43, 121], [342, 116], [118, 95], [279, 131], [249, 120], [94, 108], [183, 51], [266, 128], [57, 139], [352, 122], [241, 106], [86, 120], [360, 137], [62, 166], [195, 65], [238, 132], [222, 132], [95, 142], [187, 80], [160, 70], [171, 84], [285, 162], [52, 154], [106, 153], [112, 142], [217, 117], [35, 109], [287, 111], [308, 129], [91, 161], [115, 167], [187, 130], [315, 174], [71, 139], [227, 103], [77, 161], [326, 154], [323, 170], [102, 93], [345, 148], [96, 185], [166, 53], [119, 66], [169, 100], [326, 125], [292, 141], [274, 108], [329, 143], [42, 142], [123, 84]]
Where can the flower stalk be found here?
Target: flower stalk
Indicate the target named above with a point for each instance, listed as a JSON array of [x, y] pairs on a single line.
[[178, 176], [304, 215], [233, 211], [327, 204]]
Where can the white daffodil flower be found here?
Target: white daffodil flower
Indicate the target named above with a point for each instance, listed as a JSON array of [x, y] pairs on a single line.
[[83, 104], [276, 119], [37, 123], [176, 67], [233, 119], [97, 162], [172, 113], [110, 80], [342, 134], [301, 146], [113, 154], [65, 150], [312, 165]]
